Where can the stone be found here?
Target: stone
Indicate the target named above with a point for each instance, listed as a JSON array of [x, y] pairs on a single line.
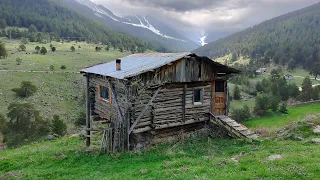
[[143, 171], [274, 157], [51, 137], [297, 138], [316, 140], [316, 130]]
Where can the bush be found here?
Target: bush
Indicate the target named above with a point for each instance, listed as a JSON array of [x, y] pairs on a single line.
[[37, 48], [26, 89], [43, 51], [51, 68], [261, 105], [53, 49], [81, 119], [22, 47], [19, 61], [241, 114], [72, 49], [283, 108], [63, 67], [3, 51], [58, 126], [25, 124], [236, 93]]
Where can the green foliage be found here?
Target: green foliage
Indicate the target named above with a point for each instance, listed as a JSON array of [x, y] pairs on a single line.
[[3, 124], [55, 21], [315, 69], [98, 48], [51, 67], [25, 124], [315, 93], [63, 67], [72, 49], [58, 126], [26, 89], [262, 105], [24, 40], [22, 47], [53, 49], [283, 108], [306, 89], [19, 61], [43, 51], [37, 48], [3, 51], [121, 49], [236, 93], [276, 74], [81, 119], [241, 114]]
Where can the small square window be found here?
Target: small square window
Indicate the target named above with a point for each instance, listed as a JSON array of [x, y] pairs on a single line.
[[197, 96], [104, 93], [219, 86]]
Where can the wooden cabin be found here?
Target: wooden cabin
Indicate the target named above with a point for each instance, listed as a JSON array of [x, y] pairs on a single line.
[[150, 98]]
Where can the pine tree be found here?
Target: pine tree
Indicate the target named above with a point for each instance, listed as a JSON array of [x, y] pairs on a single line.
[[306, 89], [236, 93]]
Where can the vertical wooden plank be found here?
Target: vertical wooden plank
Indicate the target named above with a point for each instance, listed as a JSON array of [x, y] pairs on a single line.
[[184, 102], [225, 98], [87, 111], [213, 98]]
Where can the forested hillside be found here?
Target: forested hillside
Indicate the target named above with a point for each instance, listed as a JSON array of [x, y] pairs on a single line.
[[292, 39], [50, 17]]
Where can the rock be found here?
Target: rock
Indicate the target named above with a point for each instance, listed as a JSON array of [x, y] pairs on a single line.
[[274, 157], [298, 138], [235, 159], [143, 171], [51, 137], [316, 140], [316, 130]]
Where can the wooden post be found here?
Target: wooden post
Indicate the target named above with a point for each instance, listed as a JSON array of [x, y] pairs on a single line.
[[87, 110], [184, 102]]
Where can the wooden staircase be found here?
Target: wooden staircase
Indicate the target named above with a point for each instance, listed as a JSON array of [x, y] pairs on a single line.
[[234, 129]]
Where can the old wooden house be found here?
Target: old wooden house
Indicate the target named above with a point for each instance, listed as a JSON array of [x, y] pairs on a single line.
[[150, 98]]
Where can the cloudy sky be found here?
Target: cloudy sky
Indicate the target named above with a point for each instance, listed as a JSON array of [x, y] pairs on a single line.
[[207, 15]]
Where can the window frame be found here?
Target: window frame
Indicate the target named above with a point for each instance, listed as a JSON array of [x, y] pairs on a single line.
[[109, 101], [201, 96]]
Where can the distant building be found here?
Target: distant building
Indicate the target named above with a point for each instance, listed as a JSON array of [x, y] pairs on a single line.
[[288, 76], [261, 70]]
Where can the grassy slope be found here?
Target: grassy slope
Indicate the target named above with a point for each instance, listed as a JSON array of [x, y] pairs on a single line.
[[58, 93], [279, 120], [193, 159]]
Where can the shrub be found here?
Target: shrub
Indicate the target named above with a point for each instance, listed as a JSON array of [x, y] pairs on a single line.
[[283, 108], [3, 51], [19, 61], [72, 49], [37, 48], [53, 49], [22, 47], [26, 89], [63, 67], [81, 119], [43, 51], [51, 68], [236, 93], [58, 126], [261, 105], [241, 114]]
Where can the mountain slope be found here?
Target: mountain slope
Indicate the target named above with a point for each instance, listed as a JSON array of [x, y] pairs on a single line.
[[292, 39], [49, 16], [146, 28]]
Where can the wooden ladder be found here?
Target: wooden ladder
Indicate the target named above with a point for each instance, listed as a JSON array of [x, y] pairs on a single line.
[[234, 129]]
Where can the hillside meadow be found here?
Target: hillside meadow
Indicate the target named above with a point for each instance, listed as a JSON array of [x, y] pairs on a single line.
[[193, 158]]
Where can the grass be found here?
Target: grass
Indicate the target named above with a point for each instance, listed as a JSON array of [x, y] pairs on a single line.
[[280, 120], [193, 159], [58, 94]]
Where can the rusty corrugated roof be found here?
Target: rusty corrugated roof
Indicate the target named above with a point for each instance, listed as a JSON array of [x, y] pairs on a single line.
[[135, 64]]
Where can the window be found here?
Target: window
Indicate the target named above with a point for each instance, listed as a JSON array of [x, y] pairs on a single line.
[[197, 96], [219, 86], [104, 93]]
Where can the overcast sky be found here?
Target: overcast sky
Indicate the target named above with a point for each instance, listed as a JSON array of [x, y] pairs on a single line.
[[207, 15]]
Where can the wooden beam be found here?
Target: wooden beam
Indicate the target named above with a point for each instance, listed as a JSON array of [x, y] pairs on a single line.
[[144, 110], [184, 103], [114, 100], [87, 111]]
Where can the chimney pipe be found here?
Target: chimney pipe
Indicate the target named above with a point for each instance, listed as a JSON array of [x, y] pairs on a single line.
[[118, 64]]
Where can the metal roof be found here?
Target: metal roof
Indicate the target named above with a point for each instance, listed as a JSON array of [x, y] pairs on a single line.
[[135, 64]]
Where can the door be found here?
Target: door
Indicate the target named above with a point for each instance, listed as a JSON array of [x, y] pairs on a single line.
[[219, 95]]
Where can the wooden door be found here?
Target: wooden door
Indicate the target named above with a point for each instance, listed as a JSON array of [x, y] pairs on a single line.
[[218, 89]]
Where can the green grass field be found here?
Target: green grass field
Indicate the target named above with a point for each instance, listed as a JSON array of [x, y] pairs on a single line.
[[58, 94], [192, 159], [280, 120]]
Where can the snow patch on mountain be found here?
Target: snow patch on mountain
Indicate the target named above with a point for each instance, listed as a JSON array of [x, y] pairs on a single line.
[[146, 25], [203, 40]]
